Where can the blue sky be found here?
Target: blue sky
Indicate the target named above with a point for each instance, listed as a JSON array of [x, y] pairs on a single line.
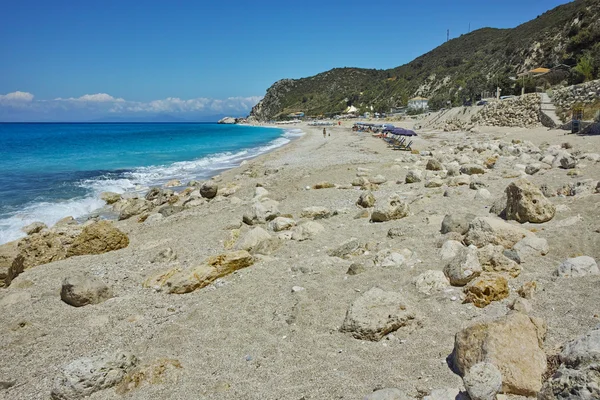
[[73, 60]]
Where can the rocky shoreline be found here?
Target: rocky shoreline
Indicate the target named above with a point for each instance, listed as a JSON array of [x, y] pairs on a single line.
[[331, 268]]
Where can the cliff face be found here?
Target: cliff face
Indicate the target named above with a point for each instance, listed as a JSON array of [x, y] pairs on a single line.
[[455, 71]]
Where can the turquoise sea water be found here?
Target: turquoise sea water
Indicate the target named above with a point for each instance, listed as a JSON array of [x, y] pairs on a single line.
[[49, 171]]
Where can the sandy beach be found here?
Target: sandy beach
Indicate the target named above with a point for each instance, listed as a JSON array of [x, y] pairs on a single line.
[[272, 330]]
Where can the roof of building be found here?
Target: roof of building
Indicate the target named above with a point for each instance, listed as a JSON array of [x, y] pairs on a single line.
[[539, 71], [418, 98]]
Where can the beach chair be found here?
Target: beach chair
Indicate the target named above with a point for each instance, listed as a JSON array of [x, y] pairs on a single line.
[[403, 145]]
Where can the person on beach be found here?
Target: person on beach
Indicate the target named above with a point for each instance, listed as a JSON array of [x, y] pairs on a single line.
[[324, 133]]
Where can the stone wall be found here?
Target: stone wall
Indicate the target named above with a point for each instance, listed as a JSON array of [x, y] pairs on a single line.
[[521, 111], [585, 93]]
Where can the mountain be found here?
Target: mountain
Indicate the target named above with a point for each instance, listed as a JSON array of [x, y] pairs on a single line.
[[459, 69]]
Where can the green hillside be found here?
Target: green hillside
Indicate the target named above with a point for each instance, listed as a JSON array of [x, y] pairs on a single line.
[[458, 70]]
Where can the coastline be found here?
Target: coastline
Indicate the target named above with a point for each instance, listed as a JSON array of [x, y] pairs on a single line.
[[272, 330]]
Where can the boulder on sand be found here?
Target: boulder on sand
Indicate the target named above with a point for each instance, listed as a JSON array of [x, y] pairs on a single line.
[[512, 343], [464, 267], [11, 264], [366, 200], [375, 314], [486, 288], [394, 208], [577, 267], [79, 291], [526, 203], [209, 189], [97, 238], [41, 248], [486, 230]]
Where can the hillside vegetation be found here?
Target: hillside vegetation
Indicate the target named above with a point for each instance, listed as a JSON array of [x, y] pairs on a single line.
[[456, 71]]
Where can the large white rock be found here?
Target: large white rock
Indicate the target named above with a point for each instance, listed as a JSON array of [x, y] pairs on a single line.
[[450, 249], [577, 267], [486, 230], [464, 267], [526, 203], [431, 281], [85, 376], [531, 246], [483, 381]]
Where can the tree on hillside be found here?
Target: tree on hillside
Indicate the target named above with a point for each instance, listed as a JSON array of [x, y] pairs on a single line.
[[585, 67]]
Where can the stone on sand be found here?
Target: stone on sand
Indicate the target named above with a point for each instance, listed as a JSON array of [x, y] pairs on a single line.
[[486, 230], [378, 179], [375, 314], [578, 267], [81, 290], [483, 381], [85, 376], [414, 176], [394, 208], [11, 263], [315, 212], [531, 246], [307, 230], [41, 248], [486, 288], [281, 224], [492, 259], [110, 197], [350, 247], [261, 212], [431, 281], [130, 207], [366, 200], [434, 183], [450, 249], [253, 238], [512, 343], [434, 165], [464, 267], [165, 256], [324, 185], [526, 203], [472, 169], [209, 189], [456, 223], [97, 238]]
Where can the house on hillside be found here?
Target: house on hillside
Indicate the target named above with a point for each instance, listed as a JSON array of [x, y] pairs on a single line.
[[296, 115], [418, 103]]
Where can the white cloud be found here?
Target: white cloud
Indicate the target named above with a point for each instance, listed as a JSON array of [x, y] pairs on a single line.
[[98, 97], [90, 106], [17, 96]]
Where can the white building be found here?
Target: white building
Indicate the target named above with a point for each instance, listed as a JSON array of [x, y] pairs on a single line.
[[418, 103]]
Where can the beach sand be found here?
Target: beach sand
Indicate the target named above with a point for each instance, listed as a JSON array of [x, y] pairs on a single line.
[[248, 335]]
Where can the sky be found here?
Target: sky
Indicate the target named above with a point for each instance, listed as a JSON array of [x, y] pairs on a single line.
[[91, 60]]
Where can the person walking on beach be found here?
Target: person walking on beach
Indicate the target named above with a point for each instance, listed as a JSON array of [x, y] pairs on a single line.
[[324, 133]]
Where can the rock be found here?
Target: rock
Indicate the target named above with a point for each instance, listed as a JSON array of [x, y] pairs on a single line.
[[446, 394], [390, 258], [261, 212], [450, 249], [486, 230], [167, 211], [35, 227], [476, 185], [228, 121], [378, 179], [395, 232], [483, 381], [375, 314], [315, 213], [130, 207], [165, 256], [464, 267], [512, 255], [366, 200], [159, 196], [526, 203], [194, 183], [456, 223], [521, 305], [181, 282], [532, 169], [414, 176], [356, 268], [577, 267], [85, 376], [434, 183], [394, 208], [531, 246], [97, 238], [41, 248], [460, 180], [483, 194], [486, 288], [253, 238], [578, 377], [434, 165], [527, 290], [281, 224], [472, 169], [209, 189], [65, 222], [307, 230], [173, 183], [498, 207], [323, 185], [79, 291], [260, 193], [431, 281], [11, 263], [360, 181], [387, 394], [564, 160], [154, 218], [351, 247], [512, 343], [492, 259]]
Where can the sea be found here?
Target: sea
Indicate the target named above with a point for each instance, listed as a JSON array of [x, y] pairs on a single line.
[[52, 170]]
